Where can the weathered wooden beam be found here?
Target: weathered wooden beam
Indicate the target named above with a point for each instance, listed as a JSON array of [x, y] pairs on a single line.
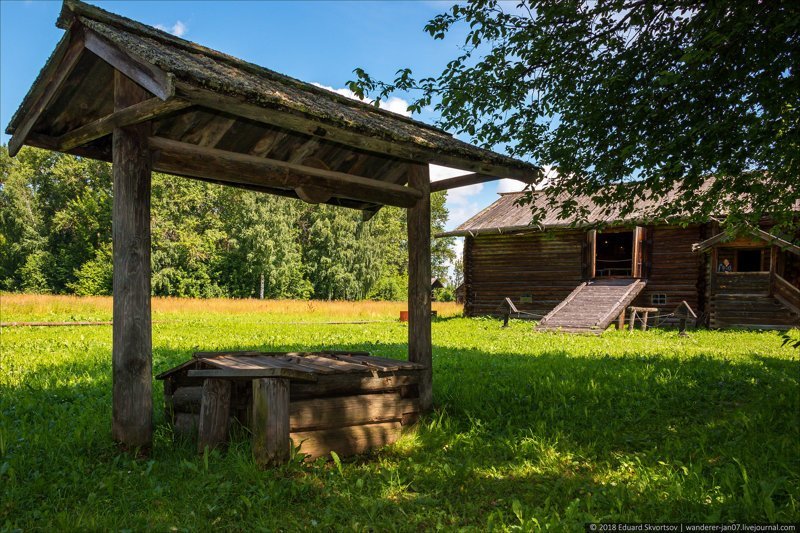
[[211, 163], [419, 283], [471, 179], [135, 114], [56, 73], [132, 331], [215, 410], [270, 425], [348, 440], [355, 384], [145, 74], [250, 373], [328, 413], [370, 143]]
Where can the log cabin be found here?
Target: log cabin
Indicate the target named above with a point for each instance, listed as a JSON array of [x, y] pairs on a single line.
[[582, 277]]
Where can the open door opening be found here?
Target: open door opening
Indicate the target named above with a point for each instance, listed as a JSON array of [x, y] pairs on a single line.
[[614, 253]]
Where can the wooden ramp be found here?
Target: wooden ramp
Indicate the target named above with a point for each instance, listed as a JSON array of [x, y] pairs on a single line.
[[592, 306]]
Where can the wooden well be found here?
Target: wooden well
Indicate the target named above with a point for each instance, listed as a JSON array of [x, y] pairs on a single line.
[[347, 402]]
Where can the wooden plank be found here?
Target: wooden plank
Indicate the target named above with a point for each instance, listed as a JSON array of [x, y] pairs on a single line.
[[169, 404], [201, 355], [386, 364], [344, 136], [56, 73], [143, 73], [339, 365], [231, 373], [328, 413], [215, 411], [355, 383], [132, 360], [135, 114], [187, 399], [270, 424], [472, 179], [419, 283], [205, 162], [186, 425], [305, 363], [350, 440]]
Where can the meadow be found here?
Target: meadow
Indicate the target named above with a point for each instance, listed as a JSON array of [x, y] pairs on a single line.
[[530, 430]]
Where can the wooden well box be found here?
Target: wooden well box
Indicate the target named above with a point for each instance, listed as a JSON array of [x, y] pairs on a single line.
[[347, 402]]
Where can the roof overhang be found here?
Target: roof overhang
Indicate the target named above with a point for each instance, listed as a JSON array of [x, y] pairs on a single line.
[[207, 106], [758, 233]]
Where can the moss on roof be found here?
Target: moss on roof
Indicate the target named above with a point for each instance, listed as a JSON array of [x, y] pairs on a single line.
[[224, 74]]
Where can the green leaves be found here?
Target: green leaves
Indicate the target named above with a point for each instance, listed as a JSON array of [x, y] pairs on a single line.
[[207, 240], [609, 92]]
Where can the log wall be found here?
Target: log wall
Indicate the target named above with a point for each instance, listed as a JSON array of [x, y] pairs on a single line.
[[673, 269], [546, 267]]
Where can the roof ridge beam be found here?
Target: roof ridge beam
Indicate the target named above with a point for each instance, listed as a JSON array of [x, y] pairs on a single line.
[[210, 163]]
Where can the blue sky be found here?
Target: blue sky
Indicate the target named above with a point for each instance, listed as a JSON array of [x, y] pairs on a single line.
[[318, 42]]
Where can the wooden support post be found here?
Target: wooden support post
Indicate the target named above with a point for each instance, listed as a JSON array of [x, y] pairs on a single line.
[[270, 421], [132, 363], [419, 282], [773, 268], [215, 411], [644, 321], [632, 323], [621, 320]]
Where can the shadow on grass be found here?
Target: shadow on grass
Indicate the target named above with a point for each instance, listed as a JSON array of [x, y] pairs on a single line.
[[567, 438]]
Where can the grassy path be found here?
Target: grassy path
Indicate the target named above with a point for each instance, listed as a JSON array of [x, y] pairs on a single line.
[[531, 430]]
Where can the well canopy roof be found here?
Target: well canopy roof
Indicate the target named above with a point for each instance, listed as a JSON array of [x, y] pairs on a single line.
[[216, 101]]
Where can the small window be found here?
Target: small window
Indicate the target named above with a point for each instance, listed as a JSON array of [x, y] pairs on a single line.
[[658, 299], [526, 299]]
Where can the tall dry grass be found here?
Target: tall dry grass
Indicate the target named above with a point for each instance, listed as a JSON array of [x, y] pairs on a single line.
[[26, 307]]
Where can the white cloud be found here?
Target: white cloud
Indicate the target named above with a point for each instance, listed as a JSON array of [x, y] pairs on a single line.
[[393, 104], [506, 185], [461, 201], [178, 29]]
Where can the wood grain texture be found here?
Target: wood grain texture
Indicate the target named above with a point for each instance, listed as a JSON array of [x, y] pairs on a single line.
[[419, 283], [132, 341], [327, 413], [135, 114], [270, 425], [344, 136], [350, 440], [355, 384], [203, 162], [146, 75], [215, 410]]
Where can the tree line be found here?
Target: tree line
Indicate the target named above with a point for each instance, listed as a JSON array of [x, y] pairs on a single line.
[[207, 240]]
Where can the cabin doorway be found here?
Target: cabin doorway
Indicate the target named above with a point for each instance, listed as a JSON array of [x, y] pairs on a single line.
[[616, 253]]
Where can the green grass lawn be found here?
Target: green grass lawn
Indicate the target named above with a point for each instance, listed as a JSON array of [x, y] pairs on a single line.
[[531, 430]]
